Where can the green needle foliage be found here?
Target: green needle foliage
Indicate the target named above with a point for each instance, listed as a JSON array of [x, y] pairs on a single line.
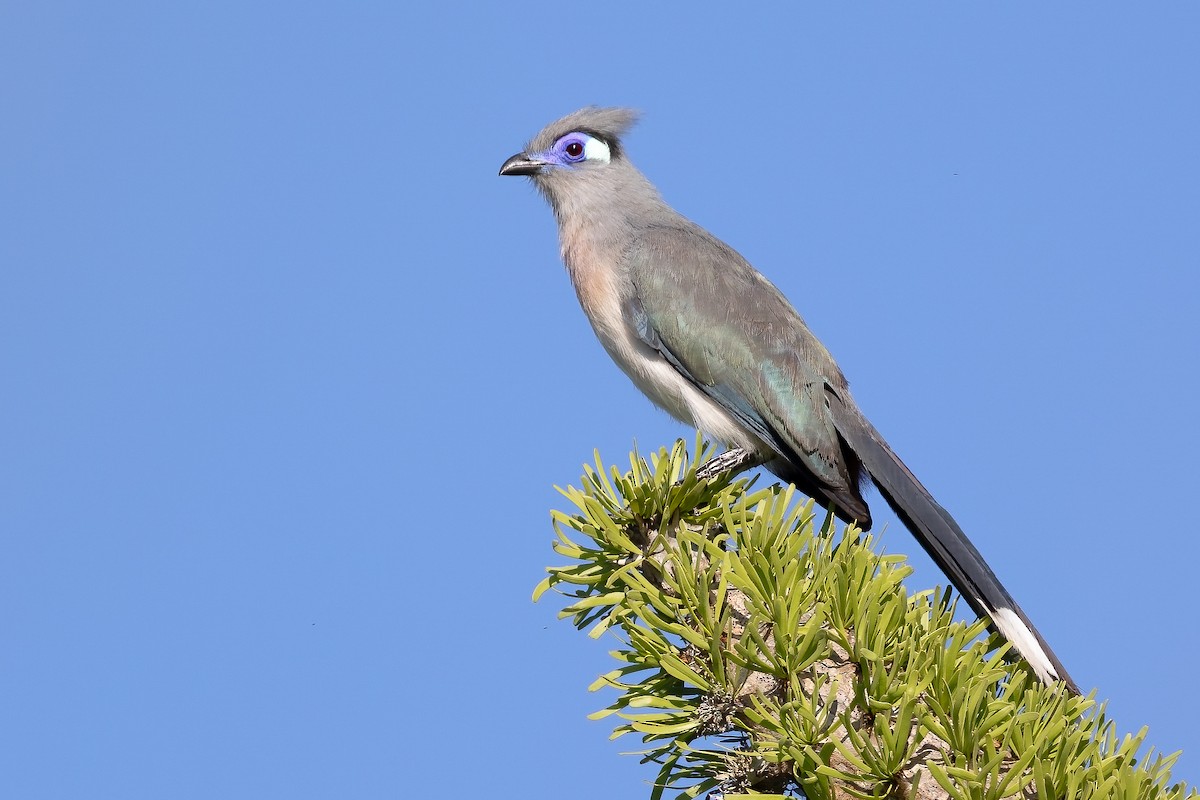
[[765, 654]]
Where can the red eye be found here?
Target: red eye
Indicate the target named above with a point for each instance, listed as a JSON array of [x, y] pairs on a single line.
[[574, 149]]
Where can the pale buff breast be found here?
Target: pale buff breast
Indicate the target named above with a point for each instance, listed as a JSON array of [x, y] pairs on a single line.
[[602, 296]]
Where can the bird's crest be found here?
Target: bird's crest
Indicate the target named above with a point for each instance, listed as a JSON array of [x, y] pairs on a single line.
[[607, 124]]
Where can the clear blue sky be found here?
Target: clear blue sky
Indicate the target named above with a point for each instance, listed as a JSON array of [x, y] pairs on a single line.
[[289, 373]]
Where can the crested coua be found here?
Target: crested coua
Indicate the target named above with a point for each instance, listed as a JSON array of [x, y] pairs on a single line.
[[709, 339]]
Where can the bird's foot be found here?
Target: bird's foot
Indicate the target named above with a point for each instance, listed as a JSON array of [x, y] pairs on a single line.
[[731, 461]]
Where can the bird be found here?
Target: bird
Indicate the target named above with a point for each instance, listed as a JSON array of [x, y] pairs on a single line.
[[709, 339]]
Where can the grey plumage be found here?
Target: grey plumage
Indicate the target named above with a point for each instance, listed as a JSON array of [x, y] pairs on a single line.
[[709, 339]]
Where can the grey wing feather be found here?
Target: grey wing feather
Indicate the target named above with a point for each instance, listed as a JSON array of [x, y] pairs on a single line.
[[733, 335], [724, 395]]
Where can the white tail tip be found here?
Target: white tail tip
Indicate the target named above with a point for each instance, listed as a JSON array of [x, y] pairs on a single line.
[[1014, 629]]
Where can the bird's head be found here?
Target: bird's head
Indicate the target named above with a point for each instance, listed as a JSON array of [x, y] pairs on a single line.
[[584, 143]]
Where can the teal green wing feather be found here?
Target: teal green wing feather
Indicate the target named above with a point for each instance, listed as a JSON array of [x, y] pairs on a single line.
[[732, 334]]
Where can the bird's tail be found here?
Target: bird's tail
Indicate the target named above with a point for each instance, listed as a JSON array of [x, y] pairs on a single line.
[[946, 544]]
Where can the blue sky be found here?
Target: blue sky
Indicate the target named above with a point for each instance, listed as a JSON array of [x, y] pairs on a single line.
[[290, 373]]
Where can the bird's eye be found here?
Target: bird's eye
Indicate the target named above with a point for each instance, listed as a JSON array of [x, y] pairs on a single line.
[[577, 147]]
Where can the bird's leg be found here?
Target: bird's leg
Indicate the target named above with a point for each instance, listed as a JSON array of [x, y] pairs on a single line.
[[732, 461]]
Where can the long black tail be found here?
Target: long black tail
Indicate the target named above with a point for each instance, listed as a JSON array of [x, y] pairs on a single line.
[[947, 545]]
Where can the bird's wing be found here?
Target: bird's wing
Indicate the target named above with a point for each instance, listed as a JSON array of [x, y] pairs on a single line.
[[733, 335], [635, 312]]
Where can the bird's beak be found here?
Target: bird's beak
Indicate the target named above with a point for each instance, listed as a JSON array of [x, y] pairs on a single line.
[[521, 164]]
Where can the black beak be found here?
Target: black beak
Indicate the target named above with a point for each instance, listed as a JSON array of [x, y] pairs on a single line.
[[521, 164]]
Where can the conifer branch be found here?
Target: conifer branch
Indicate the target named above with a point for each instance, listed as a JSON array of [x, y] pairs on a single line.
[[765, 653]]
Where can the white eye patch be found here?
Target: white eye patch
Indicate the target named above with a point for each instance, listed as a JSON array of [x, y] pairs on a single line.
[[596, 150]]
